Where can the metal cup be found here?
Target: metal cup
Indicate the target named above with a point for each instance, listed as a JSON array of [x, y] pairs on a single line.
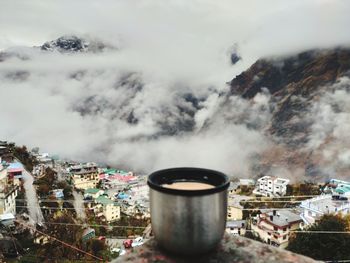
[[188, 222]]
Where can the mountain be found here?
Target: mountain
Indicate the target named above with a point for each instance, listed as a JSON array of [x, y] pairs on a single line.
[[297, 107], [300, 86], [71, 44]]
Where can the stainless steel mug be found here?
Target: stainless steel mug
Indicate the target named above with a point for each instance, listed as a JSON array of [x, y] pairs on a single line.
[[188, 222]]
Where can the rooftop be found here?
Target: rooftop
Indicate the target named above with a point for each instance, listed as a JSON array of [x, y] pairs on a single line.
[[92, 191], [236, 223], [104, 200], [325, 204], [282, 217]]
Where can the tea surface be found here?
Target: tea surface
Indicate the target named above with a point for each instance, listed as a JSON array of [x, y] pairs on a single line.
[[188, 186]]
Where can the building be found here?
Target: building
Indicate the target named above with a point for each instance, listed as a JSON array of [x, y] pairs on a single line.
[[8, 191], [315, 208], [274, 227], [5, 152], [236, 227], [84, 176], [271, 186], [233, 189], [57, 193], [105, 207], [246, 182], [337, 187], [116, 179], [88, 233], [234, 210], [7, 219], [93, 193], [15, 171], [234, 207]]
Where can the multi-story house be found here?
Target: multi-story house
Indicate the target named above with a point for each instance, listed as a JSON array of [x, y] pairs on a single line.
[[8, 191], [274, 227], [315, 208], [84, 176], [103, 206], [93, 193], [271, 186]]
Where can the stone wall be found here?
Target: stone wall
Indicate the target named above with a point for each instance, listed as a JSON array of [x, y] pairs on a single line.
[[232, 249]]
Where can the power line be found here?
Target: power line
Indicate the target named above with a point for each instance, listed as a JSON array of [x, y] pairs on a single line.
[[71, 208], [95, 225], [62, 242], [54, 208], [308, 231], [287, 201], [338, 261], [290, 231], [293, 231]]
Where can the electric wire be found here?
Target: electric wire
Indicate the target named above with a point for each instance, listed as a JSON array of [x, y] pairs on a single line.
[[60, 241]]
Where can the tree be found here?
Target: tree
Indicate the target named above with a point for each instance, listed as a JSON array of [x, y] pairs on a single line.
[[323, 246], [43, 189], [63, 228], [97, 246]]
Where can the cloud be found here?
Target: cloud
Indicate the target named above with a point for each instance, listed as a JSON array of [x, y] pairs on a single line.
[[159, 99], [329, 137]]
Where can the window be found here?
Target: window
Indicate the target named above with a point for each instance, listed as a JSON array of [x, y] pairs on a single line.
[[275, 228], [285, 237], [285, 229], [269, 233]]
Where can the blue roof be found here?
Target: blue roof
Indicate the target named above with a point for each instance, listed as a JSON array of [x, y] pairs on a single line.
[[16, 165], [122, 196]]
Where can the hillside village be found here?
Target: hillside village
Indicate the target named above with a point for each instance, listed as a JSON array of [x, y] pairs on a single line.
[[106, 209]]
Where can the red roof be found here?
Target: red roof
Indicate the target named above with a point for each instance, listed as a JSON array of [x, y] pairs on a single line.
[[117, 176]]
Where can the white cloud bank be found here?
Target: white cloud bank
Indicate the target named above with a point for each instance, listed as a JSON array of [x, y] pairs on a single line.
[[172, 48]]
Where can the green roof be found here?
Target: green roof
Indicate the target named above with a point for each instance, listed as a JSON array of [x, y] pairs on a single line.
[[114, 171], [109, 171], [92, 191], [343, 189], [104, 200]]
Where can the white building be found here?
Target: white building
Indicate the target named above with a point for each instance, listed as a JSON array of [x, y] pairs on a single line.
[[236, 227], [316, 207], [271, 186], [274, 227], [8, 192]]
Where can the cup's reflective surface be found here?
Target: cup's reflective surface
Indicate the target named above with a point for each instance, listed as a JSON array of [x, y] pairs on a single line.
[[188, 225]]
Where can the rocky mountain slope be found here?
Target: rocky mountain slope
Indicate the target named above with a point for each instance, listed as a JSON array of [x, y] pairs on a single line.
[[71, 44], [298, 86]]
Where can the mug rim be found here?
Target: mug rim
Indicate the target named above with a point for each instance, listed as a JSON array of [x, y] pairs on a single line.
[[223, 184]]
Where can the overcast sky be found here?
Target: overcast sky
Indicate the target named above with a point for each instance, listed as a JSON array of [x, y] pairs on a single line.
[[185, 34], [173, 47]]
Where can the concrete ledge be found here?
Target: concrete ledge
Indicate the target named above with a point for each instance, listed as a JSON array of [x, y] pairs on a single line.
[[231, 249]]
